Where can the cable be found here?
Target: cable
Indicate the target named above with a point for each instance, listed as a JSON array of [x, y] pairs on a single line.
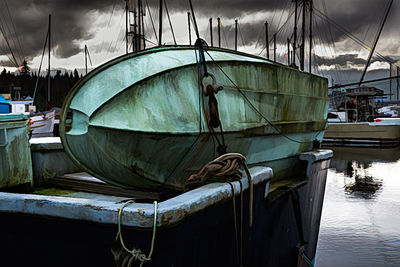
[[40, 66], [254, 108], [13, 25], [169, 19], [152, 22]]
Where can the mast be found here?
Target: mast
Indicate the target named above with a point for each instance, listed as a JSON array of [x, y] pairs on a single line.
[[190, 31], [303, 36], [311, 36], [86, 58], [142, 17], [390, 84], [160, 24], [397, 82], [288, 51], [126, 26], [266, 39], [375, 42], [139, 36], [134, 34], [236, 33], [211, 33], [295, 33], [274, 46], [48, 71], [219, 32]]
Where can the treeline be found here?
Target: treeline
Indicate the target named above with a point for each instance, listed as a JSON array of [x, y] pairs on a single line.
[[60, 84]]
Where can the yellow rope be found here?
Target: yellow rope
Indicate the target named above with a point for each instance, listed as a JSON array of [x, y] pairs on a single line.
[[137, 253]]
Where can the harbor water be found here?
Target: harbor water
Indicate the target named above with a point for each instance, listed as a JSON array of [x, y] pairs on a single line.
[[360, 224]]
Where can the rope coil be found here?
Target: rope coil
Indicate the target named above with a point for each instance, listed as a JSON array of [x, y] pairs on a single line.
[[221, 169]]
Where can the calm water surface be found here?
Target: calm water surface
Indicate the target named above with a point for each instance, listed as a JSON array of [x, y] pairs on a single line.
[[360, 223]]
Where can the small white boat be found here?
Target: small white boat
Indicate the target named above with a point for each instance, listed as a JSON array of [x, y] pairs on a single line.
[[42, 125]]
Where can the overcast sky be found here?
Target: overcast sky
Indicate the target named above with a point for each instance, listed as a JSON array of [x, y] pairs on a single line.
[[100, 24]]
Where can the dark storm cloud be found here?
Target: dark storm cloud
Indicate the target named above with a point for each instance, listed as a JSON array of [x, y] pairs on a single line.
[[343, 60], [72, 23], [6, 63]]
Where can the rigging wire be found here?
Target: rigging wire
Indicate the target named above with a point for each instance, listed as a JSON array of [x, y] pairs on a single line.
[[254, 108], [40, 66], [169, 19], [152, 21], [241, 36], [13, 60], [351, 36], [15, 32]]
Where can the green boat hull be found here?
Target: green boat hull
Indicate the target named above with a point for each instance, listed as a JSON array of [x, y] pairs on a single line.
[[140, 120]]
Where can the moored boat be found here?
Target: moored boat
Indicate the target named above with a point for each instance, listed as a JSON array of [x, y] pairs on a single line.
[[141, 120]]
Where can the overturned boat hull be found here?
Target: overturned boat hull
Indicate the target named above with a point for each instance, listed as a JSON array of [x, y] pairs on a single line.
[[141, 120]]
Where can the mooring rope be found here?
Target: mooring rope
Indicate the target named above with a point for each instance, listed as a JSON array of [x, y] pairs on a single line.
[[221, 169], [135, 254]]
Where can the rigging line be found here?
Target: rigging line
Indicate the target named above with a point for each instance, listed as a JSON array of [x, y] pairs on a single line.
[[118, 35], [5, 52], [149, 41], [16, 35], [351, 36], [223, 33], [252, 106], [169, 19], [328, 49], [241, 36], [152, 22], [108, 24], [11, 37], [40, 66], [259, 35], [15, 62], [90, 60], [288, 3], [201, 100], [194, 20], [281, 28], [112, 13]]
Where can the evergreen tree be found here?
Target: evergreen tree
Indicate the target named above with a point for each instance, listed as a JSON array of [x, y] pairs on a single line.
[[25, 71], [76, 74]]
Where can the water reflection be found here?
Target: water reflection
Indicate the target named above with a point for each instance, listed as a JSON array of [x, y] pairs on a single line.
[[361, 213]]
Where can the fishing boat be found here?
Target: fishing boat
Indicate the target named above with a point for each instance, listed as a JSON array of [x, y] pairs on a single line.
[[147, 122], [361, 123], [141, 120]]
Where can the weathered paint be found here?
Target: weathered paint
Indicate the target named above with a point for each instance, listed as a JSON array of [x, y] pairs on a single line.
[[49, 159], [15, 156], [203, 238], [385, 134], [104, 209], [136, 120]]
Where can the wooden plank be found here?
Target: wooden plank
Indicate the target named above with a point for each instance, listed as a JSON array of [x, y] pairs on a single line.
[[87, 183]]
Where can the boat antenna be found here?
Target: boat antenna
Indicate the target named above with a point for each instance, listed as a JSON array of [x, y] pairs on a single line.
[[375, 43], [48, 71]]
